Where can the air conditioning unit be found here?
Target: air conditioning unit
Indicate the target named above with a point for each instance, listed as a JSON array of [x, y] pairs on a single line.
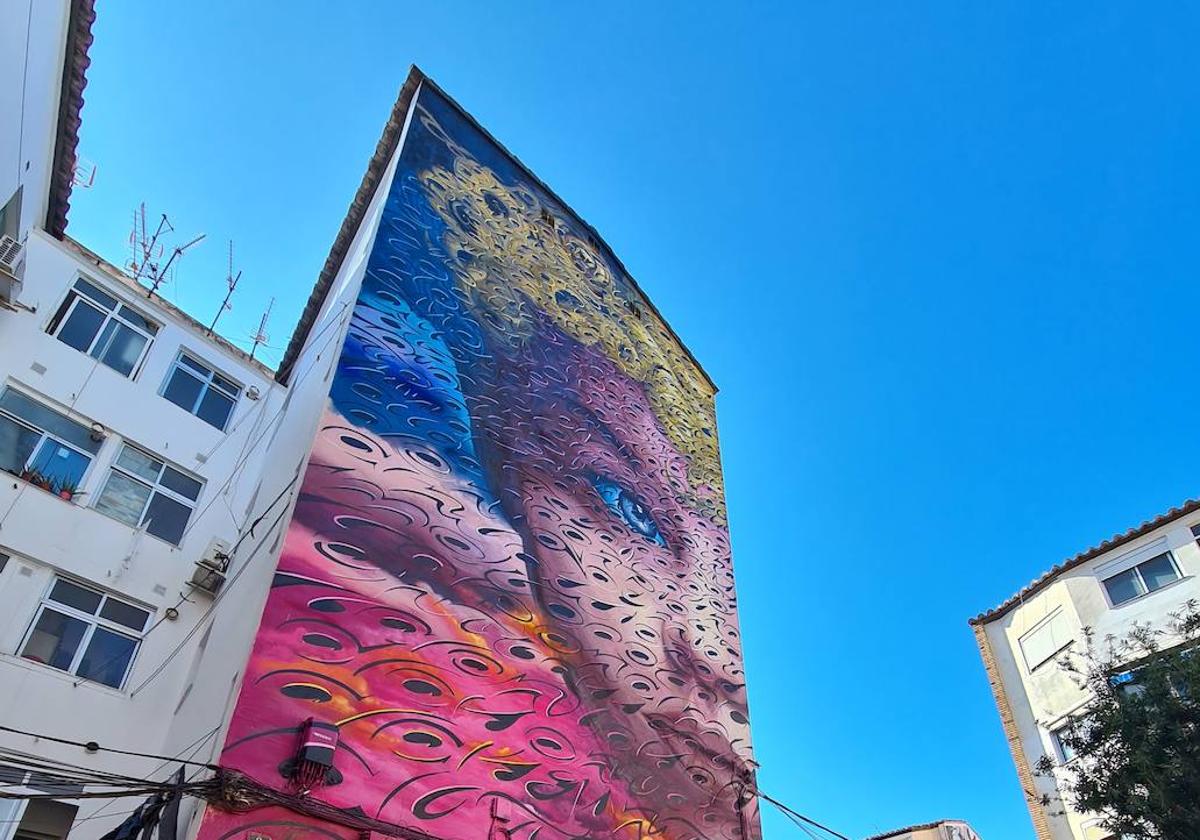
[[10, 253], [209, 575]]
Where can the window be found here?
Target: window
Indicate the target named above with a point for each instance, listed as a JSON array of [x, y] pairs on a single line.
[[85, 632], [1065, 753], [42, 782], [1196, 533], [1146, 576], [41, 445], [94, 322], [142, 490], [1046, 639], [1079, 725], [199, 390]]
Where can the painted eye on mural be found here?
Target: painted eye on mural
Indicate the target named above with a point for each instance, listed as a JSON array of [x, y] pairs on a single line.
[[632, 512]]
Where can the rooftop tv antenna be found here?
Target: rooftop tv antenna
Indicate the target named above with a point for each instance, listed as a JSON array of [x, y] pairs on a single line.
[[231, 280], [261, 336], [147, 250], [157, 280], [84, 174]]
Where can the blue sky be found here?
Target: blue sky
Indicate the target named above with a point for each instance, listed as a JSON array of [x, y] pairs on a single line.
[[942, 262]]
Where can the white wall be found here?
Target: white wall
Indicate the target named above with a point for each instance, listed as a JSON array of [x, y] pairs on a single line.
[[45, 534], [1043, 699], [32, 40], [212, 689]]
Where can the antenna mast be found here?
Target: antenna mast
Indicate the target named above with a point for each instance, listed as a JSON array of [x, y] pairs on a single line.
[[147, 251], [231, 280], [261, 336], [162, 275]]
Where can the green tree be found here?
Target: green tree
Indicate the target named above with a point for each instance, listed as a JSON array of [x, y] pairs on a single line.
[[1136, 747]]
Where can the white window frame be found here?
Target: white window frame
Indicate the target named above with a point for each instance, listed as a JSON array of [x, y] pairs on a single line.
[[1060, 750], [81, 298], [92, 620], [208, 383], [1055, 614], [155, 487], [21, 421], [1135, 564]]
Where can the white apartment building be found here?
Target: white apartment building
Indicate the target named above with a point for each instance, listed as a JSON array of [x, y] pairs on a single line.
[[1141, 576], [132, 444], [147, 469]]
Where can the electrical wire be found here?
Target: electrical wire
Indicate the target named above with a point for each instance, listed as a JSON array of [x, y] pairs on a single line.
[[247, 531], [76, 821], [92, 746], [335, 320], [183, 598], [252, 448], [243, 458], [216, 600], [796, 817], [190, 750]]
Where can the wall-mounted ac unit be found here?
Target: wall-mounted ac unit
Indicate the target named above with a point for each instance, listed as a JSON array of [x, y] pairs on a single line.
[[11, 254], [209, 575]]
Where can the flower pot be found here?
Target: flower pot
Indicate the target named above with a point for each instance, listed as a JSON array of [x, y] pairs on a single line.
[[66, 494]]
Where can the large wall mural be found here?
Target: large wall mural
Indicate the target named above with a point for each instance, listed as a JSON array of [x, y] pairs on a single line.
[[508, 579]]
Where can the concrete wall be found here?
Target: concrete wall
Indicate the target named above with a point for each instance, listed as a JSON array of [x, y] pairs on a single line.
[[32, 39], [1043, 698], [45, 535]]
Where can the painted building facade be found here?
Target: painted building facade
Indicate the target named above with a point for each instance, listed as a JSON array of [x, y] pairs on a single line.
[[1139, 577], [507, 577]]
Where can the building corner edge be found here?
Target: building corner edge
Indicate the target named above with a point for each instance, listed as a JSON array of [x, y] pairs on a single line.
[[1037, 812]]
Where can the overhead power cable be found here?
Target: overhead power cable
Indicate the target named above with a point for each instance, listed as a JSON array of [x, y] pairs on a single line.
[[252, 447], [188, 751], [216, 600], [93, 746], [220, 494], [798, 818]]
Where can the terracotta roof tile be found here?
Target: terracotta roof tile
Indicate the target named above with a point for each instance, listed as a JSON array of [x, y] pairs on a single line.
[[1092, 553], [70, 106]]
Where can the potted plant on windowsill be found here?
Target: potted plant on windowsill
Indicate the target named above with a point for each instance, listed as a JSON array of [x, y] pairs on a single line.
[[67, 490]]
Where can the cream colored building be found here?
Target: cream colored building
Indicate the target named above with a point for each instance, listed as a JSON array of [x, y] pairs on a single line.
[[1141, 576], [940, 830]]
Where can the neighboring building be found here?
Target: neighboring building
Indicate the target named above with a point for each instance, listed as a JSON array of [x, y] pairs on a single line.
[[128, 453], [940, 830], [475, 522], [1141, 576], [43, 56]]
